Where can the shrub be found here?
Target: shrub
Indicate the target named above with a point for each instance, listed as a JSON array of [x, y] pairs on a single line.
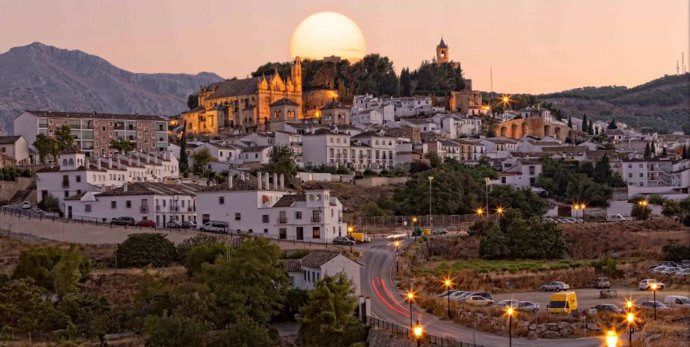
[[50, 204], [676, 253], [187, 244], [608, 267], [203, 253], [140, 250]]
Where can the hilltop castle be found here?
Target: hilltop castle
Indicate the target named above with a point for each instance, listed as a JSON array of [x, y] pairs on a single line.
[[466, 100], [246, 104]]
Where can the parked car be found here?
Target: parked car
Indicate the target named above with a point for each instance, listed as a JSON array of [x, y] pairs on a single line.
[[439, 232], [340, 240], [478, 300], [683, 272], [650, 305], [123, 221], [646, 284], [484, 294], [664, 270], [146, 223], [555, 286], [214, 227], [26, 205], [507, 303], [564, 302], [676, 300], [460, 296], [528, 306], [668, 263], [603, 283], [173, 224], [446, 293], [616, 218], [605, 308], [188, 225]]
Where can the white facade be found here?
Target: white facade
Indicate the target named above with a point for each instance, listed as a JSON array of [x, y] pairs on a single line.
[[366, 117], [158, 202], [518, 173], [319, 264], [412, 105], [16, 148], [260, 155], [361, 103]]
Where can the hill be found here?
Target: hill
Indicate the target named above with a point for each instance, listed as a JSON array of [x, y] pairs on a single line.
[[662, 104], [38, 76]]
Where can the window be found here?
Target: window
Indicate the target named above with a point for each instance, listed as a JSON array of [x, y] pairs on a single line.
[[282, 217], [87, 208], [265, 231], [264, 218], [316, 232], [113, 204], [128, 204], [78, 178], [298, 214], [238, 216], [221, 200], [282, 233], [66, 193]]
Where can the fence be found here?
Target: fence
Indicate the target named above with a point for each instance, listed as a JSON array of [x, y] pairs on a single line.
[[408, 221], [428, 340]]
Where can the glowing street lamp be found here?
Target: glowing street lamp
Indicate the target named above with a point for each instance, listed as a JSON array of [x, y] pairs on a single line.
[[409, 296], [499, 212], [630, 318], [448, 282], [643, 203], [628, 305], [510, 312], [654, 287], [479, 211], [418, 332], [431, 179], [611, 338]]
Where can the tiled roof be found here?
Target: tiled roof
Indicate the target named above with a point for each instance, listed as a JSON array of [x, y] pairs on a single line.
[[332, 105], [284, 101], [292, 265], [317, 258], [255, 149], [8, 140], [288, 200], [229, 88], [152, 188], [95, 115], [237, 185]]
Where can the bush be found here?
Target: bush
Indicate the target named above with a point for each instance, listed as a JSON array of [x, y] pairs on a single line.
[[608, 267], [50, 204], [187, 244], [140, 250], [676, 253], [201, 254]]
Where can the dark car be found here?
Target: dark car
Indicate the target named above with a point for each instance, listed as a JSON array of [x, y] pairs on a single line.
[[188, 225], [343, 241], [606, 308], [147, 223], [173, 224], [123, 221]]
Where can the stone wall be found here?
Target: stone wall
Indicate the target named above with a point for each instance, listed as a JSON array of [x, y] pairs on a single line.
[[380, 181], [530, 329], [384, 338], [9, 188]]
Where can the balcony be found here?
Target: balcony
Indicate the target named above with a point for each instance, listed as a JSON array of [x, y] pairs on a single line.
[[158, 208], [282, 220], [144, 209], [174, 209], [316, 219], [65, 184]]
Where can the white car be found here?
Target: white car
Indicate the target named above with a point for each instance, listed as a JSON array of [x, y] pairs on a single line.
[[616, 218], [26, 205], [659, 270], [683, 272], [676, 300], [478, 300], [646, 284]]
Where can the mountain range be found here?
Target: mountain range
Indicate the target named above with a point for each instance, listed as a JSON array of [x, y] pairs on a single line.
[[42, 77]]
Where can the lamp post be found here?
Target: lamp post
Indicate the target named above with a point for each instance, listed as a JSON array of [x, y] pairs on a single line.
[[448, 282], [630, 317], [431, 179], [414, 221], [654, 287], [479, 211], [410, 299], [499, 212], [487, 181], [611, 338], [418, 332], [510, 311], [397, 249]]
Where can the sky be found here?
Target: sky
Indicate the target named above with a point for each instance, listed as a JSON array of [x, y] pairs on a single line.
[[533, 46]]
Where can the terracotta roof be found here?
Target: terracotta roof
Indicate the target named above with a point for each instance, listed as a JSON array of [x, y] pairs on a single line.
[[229, 88], [292, 265], [255, 149], [52, 114], [332, 105], [237, 185], [317, 258], [153, 188], [284, 101], [288, 200], [8, 140]]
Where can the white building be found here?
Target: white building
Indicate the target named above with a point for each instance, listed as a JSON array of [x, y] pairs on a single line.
[[653, 176], [361, 103], [256, 156], [77, 174], [306, 272], [366, 117], [411, 105], [16, 148], [518, 173], [499, 147], [372, 150], [325, 147], [158, 202], [263, 207]]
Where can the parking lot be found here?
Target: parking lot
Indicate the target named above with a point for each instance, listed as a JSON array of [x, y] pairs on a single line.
[[589, 297]]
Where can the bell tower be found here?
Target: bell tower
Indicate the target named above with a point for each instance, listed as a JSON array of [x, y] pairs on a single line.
[[296, 74], [442, 52]]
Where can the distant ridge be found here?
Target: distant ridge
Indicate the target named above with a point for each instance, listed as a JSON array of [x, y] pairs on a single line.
[[42, 77]]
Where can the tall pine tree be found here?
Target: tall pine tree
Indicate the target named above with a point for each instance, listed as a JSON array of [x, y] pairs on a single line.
[[585, 127], [647, 151], [184, 160]]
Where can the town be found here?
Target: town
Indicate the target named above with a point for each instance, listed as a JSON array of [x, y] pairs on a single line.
[[335, 201]]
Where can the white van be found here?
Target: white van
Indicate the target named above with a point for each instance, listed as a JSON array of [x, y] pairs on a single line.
[[676, 301], [616, 218]]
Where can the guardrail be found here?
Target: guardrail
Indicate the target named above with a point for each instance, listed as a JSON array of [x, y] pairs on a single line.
[[427, 340]]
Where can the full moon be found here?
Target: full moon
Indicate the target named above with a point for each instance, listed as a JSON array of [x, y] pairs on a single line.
[[324, 34]]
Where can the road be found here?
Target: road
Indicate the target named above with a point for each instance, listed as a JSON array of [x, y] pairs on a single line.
[[388, 304]]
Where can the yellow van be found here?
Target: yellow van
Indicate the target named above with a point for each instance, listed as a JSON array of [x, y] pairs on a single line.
[[563, 302]]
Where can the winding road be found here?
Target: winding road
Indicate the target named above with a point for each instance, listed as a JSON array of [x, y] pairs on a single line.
[[388, 304]]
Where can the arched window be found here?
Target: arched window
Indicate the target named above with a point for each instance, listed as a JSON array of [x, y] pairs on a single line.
[[71, 162], [64, 162]]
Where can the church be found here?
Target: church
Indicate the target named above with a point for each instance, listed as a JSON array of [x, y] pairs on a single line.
[[247, 105], [467, 101]]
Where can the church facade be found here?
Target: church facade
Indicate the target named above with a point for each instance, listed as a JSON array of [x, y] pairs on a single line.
[[245, 104]]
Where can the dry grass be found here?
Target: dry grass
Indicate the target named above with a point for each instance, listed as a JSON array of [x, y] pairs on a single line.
[[120, 286]]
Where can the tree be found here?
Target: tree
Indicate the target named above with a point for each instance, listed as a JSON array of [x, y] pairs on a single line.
[[652, 149], [173, 330], [647, 151], [329, 312], [39, 264], [664, 152], [46, 146], [184, 159], [200, 161], [26, 308], [282, 162], [50, 204], [67, 272], [245, 333], [585, 124], [192, 101], [612, 124], [493, 243], [144, 249], [641, 212], [64, 138], [124, 146], [524, 200], [405, 82], [205, 253], [516, 237], [570, 122]]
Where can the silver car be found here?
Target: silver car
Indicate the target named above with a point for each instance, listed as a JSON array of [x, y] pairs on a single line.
[[555, 286]]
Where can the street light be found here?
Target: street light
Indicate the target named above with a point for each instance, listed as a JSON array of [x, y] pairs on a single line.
[[431, 179], [448, 282], [510, 312], [643, 203], [628, 305], [409, 296], [630, 317], [499, 212], [611, 339], [654, 287], [479, 211], [397, 249], [418, 332]]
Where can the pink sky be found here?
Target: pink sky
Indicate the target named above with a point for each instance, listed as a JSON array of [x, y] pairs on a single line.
[[533, 45]]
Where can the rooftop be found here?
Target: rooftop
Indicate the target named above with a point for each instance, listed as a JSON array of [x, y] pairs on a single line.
[[52, 114]]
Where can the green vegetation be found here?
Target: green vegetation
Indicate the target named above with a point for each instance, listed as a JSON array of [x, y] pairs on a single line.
[[10, 173], [517, 265], [123, 146], [46, 147], [678, 210], [201, 160], [676, 253], [184, 158], [641, 212], [145, 249], [282, 162], [50, 204]]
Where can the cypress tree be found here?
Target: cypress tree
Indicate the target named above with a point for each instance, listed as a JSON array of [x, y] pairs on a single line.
[[664, 153], [184, 161], [570, 122], [585, 127], [652, 149], [647, 150]]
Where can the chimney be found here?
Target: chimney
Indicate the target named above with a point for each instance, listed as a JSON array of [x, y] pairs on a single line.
[[266, 181], [258, 180], [275, 181], [129, 161], [110, 162], [98, 163], [230, 175], [119, 164], [282, 182]]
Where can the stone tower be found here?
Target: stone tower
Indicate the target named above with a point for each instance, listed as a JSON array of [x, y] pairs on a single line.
[[442, 52], [296, 74]]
